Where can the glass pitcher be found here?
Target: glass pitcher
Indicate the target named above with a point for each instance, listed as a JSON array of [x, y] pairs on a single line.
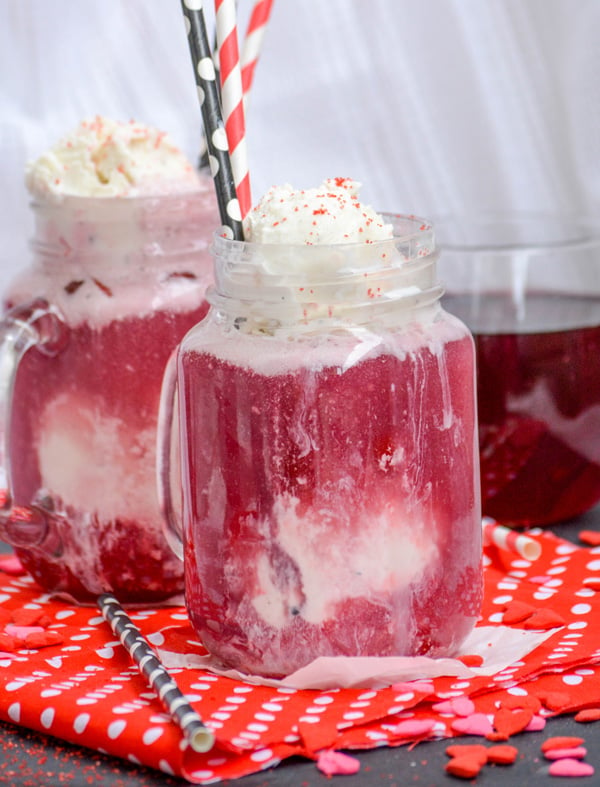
[[114, 285], [528, 287], [329, 458]]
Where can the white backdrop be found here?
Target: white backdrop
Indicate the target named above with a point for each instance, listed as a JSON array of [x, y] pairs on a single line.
[[437, 106]]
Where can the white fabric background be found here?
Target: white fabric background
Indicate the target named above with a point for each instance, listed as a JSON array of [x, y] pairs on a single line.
[[437, 106]]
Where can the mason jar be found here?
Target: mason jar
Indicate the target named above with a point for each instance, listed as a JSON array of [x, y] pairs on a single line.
[[329, 461], [113, 286]]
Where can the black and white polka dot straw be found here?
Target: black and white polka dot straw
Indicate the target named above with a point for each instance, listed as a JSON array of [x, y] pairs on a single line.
[[212, 117], [200, 738]]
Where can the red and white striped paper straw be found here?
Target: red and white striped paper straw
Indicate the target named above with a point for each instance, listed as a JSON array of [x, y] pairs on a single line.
[[232, 99], [251, 48], [510, 540]]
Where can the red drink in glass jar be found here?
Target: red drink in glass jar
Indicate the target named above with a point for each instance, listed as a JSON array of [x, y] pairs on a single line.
[[328, 431], [115, 283]]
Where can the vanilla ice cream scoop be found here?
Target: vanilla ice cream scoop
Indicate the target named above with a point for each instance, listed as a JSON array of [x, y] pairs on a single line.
[[108, 158]]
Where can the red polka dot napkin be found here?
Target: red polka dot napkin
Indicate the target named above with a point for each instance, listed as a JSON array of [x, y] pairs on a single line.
[[63, 672]]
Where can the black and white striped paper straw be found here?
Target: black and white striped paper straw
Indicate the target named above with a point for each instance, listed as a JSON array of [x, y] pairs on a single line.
[[200, 738], [212, 117]]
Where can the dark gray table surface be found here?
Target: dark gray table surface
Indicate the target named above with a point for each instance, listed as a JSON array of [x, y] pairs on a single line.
[[29, 759]]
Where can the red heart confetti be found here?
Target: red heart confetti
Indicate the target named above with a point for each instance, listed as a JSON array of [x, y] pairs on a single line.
[[413, 729], [590, 537], [11, 564], [332, 763], [30, 617], [517, 611], [502, 754], [457, 706], [543, 619], [22, 632], [588, 715], [475, 724], [509, 722], [555, 700], [524, 701], [464, 767], [575, 752], [471, 660], [472, 750], [25, 627], [561, 742], [43, 639], [7, 643], [537, 724], [570, 768]]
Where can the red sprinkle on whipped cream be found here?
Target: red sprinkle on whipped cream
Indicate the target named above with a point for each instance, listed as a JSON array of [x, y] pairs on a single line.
[[328, 214]]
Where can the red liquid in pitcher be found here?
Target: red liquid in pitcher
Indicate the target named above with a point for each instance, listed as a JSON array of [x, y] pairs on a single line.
[[539, 409], [84, 428], [329, 506]]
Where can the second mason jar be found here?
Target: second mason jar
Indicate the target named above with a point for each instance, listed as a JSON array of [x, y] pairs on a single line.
[[330, 476], [113, 286]]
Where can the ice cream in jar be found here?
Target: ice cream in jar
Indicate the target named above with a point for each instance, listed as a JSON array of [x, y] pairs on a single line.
[[331, 492]]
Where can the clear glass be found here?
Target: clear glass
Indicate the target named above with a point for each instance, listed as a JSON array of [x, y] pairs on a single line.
[[528, 286], [330, 476], [124, 279]]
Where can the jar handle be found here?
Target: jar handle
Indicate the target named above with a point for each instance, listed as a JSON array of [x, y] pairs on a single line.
[[167, 456], [35, 324]]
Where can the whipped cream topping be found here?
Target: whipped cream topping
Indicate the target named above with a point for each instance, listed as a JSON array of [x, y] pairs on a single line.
[[108, 158], [320, 254], [328, 214]]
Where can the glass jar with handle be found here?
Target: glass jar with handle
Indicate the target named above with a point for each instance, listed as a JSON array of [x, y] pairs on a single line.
[[113, 286], [329, 459]]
